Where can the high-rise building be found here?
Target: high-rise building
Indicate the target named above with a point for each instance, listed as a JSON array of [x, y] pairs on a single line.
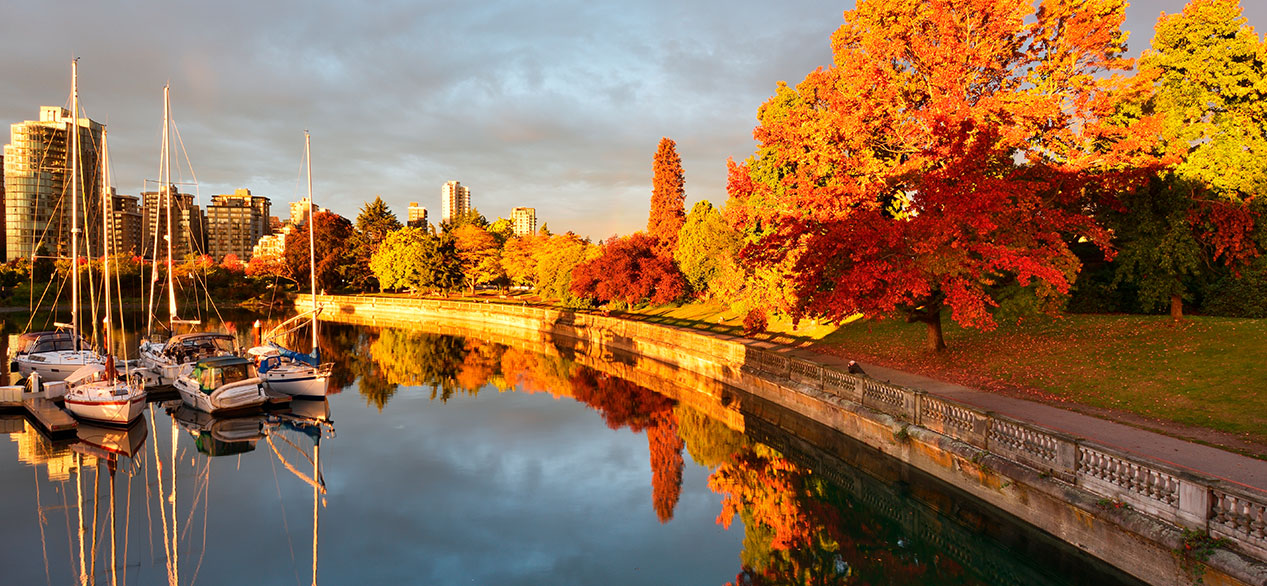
[[37, 184], [126, 224], [235, 222], [299, 211], [188, 231], [456, 200], [524, 220], [417, 215], [2, 247]]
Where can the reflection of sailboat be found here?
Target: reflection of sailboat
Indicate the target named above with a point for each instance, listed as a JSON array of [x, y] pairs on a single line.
[[284, 370]]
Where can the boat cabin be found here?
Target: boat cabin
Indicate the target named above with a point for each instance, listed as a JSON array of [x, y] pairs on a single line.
[[54, 341], [186, 347], [216, 372]]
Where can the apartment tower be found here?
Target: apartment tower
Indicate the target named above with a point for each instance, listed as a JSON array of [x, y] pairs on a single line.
[[456, 200], [37, 184], [524, 220]]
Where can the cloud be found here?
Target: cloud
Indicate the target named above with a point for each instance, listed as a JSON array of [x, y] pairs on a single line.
[[557, 104]]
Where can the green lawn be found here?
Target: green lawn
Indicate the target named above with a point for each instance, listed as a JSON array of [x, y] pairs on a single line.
[[1207, 372]]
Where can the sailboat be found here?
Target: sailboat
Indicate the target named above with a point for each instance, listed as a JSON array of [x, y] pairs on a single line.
[[96, 392], [287, 371], [168, 361], [53, 356]]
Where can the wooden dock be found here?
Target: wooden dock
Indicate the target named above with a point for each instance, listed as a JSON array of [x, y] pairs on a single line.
[[276, 399], [51, 417]]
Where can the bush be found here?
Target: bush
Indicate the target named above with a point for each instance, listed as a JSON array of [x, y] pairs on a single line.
[[1243, 295]]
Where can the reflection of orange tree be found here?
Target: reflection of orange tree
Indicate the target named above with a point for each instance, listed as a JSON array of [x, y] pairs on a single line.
[[480, 366], [798, 529], [623, 403], [535, 373]]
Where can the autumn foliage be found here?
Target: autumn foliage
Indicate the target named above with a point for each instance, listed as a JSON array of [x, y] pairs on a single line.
[[668, 197], [629, 270], [950, 151]]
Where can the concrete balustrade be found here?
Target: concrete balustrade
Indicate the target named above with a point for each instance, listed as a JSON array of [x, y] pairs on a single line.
[[1175, 496]]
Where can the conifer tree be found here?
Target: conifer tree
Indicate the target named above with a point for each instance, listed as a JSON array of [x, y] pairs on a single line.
[[668, 197]]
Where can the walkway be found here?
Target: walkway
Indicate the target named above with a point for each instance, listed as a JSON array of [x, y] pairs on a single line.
[[1210, 461]]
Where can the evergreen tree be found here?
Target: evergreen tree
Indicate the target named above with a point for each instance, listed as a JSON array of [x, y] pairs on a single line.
[[668, 197], [373, 224]]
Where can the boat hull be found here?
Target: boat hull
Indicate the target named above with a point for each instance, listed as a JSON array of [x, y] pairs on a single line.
[[240, 397], [55, 366], [120, 410], [298, 382]]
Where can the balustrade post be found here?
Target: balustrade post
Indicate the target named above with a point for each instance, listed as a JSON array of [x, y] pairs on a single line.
[[1194, 504], [917, 407], [1067, 459], [979, 434]]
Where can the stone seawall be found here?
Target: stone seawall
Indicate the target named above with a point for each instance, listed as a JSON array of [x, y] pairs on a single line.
[[1127, 511]]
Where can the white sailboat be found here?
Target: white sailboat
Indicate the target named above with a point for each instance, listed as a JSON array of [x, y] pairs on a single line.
[[287, 371], [168, 361], [96, 392], [54, 357]]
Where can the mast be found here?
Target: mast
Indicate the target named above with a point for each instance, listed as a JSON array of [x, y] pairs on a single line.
[[312, 244], [105, 233], [166, 172], [74, 200]]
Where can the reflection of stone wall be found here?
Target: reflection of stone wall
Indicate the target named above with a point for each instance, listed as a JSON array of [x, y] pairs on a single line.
[[869, 411], [704, 394], [935, 516]]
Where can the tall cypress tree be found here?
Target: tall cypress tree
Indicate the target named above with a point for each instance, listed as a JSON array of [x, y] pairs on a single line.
[[668, 198]]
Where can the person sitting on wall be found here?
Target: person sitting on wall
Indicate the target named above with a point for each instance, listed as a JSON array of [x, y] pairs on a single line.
[[854, 368]]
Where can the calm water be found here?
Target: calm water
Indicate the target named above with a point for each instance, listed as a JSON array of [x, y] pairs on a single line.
[[452, 460]]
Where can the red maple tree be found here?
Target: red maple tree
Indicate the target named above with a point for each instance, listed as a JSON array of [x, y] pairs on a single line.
[[948, 154], [629, 270]]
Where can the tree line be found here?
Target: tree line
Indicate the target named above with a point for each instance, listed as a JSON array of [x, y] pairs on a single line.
[[980, 159]]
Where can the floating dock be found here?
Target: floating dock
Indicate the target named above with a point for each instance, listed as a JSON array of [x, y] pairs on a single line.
[[49, 416]]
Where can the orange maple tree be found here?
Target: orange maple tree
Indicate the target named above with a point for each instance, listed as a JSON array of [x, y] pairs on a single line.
[[948, 155]]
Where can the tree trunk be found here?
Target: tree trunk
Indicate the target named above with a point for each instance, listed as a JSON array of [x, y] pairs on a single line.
[[935, 341], [930, 315], [1176, 306]]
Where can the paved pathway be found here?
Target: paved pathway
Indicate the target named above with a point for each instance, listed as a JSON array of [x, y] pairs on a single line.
[[1229, 466]]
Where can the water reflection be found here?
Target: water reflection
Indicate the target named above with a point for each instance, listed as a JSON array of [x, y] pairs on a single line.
[[195, 499]]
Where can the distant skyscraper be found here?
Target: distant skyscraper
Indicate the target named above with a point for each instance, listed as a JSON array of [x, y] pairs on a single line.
[[235, 223], [456, 200], [524, 220], [37, 184], [126, 224], [188, 234], [417, 215]]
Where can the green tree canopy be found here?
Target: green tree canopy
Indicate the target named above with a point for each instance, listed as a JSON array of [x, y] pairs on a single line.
[[412, 259], [706, 249]]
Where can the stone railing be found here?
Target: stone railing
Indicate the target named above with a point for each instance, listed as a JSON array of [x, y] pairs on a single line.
[[1178, 496], [1182, 497]]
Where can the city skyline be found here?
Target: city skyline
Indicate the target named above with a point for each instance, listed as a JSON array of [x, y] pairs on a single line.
[[547, 106]]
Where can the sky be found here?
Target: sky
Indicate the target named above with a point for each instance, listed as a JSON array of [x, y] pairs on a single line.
[[553, 104]]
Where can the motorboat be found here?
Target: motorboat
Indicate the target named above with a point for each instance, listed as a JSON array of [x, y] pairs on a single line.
[[222, 384]]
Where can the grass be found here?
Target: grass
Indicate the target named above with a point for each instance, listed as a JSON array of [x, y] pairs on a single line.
[[1204, 372]]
